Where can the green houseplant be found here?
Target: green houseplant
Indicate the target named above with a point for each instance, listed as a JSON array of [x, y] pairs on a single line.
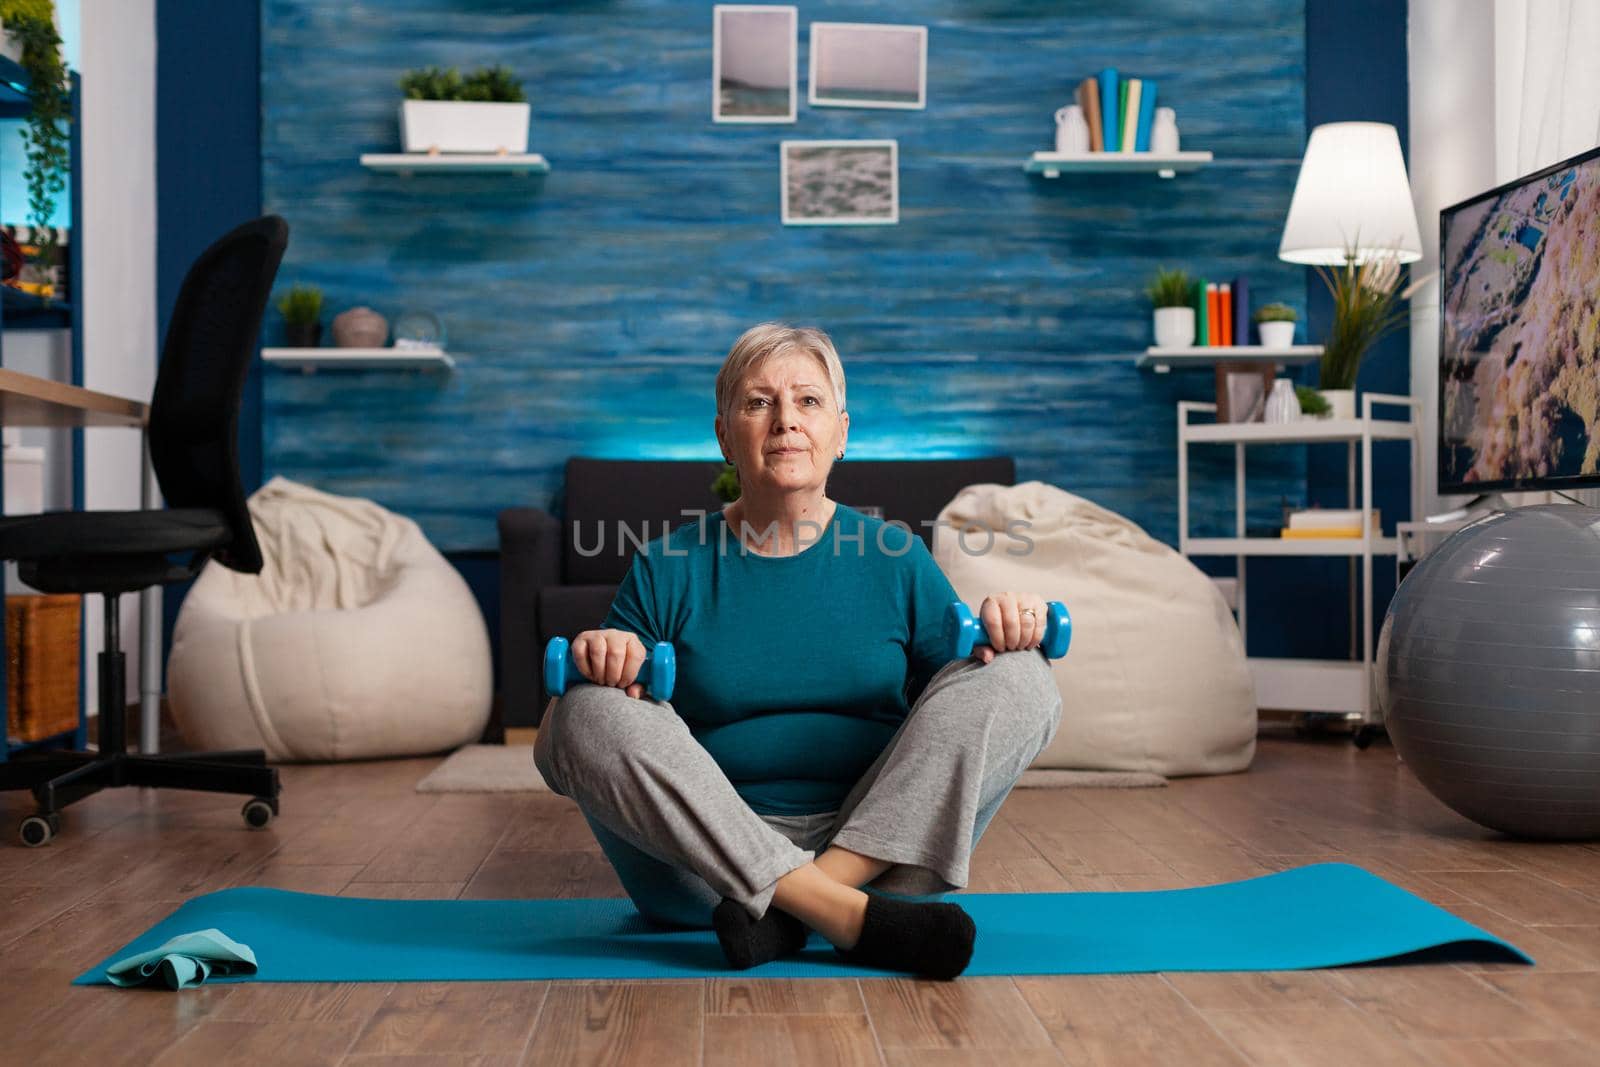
[[301, 308], [1171, 293], [726, 485], [32, 25], [1311, 401], [485, 111], [495, 84], [1368, 305], [1275, 324]]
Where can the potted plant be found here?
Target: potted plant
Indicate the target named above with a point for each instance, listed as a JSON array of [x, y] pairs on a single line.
[[443, 112], [33, 39], [1368, 305], [726, 486], [1275, 324], [1311, 402], [302, 316], [1171, 293]]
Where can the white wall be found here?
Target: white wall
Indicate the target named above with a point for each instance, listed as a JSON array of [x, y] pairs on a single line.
[[119, 282]]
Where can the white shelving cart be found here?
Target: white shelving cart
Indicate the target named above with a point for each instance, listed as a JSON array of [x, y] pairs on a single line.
[[1327, 686]]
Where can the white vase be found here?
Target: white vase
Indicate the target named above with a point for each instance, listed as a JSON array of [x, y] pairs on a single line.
[[1341, 403], [464, 126], [1072, 132], [1174, 327], [1276, 334], [1164, 131], [1282, 403]]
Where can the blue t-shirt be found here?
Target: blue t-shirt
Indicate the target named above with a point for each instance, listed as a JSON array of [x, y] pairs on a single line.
[[793, 671]]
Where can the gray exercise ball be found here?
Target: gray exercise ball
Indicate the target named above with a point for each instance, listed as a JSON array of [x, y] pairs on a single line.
[[1489, 671]]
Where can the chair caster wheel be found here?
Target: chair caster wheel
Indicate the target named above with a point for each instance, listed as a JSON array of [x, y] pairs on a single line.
[[258, 811], [1365, 735], [37, 830]]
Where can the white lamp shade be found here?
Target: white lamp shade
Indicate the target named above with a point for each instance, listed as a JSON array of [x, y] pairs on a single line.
[[1352, 193]]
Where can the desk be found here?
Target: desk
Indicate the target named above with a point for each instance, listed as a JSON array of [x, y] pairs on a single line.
[[27, 400]]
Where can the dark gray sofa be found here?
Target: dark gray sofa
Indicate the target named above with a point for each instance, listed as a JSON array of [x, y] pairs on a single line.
[[554, 586]]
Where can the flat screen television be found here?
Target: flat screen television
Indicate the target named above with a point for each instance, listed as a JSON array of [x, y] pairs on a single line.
[[1519, 334]]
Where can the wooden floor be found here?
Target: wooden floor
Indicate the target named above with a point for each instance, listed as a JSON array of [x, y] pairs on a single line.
[[126, 858]]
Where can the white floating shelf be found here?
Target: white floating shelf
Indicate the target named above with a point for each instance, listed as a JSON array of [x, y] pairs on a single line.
[[1162, 360], [312, 359], [1163, 164], [1306, 429], [456, 163], [1287, 546]]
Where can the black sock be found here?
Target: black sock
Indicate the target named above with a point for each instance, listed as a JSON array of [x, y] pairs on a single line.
[[751, 942], [933, 940]]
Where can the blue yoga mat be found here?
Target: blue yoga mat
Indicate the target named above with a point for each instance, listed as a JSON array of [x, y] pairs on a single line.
[[1322, 915]]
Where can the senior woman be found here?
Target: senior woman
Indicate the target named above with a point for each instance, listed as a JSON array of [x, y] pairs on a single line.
[[822, 764]]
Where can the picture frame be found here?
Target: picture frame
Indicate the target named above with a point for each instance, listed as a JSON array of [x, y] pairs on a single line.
[[840, 183], [868, 64], [755, 63], [1242, 390]]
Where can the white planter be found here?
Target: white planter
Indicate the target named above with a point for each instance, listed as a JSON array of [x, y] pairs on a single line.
[[1174, 327], [463, 126], [1276, 334], [1341, 403]]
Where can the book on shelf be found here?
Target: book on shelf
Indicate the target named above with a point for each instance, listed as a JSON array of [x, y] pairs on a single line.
[[1089, 99], [1332, 533], [1110, 128], [1241, 311], [1147, 112], [1316, 519], [1200, 335], [1122, 113], [1130, 113], [1213, 318], [1225, 309]]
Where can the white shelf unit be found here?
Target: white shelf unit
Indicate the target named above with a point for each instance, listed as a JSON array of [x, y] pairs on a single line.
[[406, 163], [1162, 164], [315, 359], [1342, 687], [1162, 360]]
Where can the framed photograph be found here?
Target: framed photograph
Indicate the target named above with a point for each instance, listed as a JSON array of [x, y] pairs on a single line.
[[863, 64], [754, 63], [1242, 390], [841, 183]]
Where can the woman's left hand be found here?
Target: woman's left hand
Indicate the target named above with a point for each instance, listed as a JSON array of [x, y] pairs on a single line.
[[1012, 621]]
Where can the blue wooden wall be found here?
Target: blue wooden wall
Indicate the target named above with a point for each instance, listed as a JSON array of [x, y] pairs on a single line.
[[589, 310]]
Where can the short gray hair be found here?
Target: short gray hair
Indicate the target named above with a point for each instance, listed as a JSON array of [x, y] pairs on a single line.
[[761, 343]]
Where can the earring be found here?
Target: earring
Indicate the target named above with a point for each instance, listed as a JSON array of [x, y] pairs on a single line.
[[841, 453]]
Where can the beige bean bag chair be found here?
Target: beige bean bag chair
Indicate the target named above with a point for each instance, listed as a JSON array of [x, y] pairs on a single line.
[[1156, 678], [357, 640]]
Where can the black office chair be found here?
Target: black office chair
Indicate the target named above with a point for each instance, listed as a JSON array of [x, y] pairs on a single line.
[[194, 447]]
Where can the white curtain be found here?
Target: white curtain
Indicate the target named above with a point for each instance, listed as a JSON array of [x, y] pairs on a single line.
[[1546, 91], [1546, 83]]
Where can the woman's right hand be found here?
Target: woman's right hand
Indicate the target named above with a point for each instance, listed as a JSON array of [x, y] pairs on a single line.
[[610, 658]]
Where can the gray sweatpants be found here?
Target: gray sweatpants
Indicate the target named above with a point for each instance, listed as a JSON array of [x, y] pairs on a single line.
[[680, 837]]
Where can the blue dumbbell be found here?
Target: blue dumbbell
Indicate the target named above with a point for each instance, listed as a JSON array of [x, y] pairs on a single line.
[[658, 673], [962, 631]]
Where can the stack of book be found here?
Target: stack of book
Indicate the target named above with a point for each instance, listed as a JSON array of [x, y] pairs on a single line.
[[1118, 111], [1329, 523], [1222, 312]]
